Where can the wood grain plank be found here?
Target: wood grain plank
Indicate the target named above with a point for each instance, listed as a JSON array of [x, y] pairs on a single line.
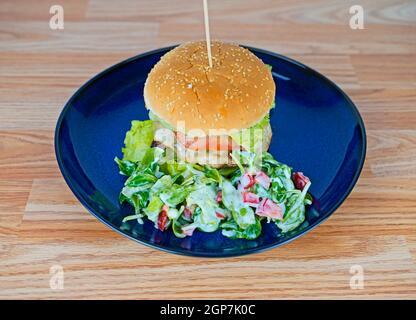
[[411, 243], [301, 38], [399, 71], [385, 101], [385, 108], [377, 206], [38, 10], [49, 80], [392, 153], [19, 36], [27, 154], [130, 271], [259, 12], [13, 199]]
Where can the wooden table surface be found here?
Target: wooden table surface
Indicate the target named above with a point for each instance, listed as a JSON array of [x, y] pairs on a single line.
[[42, 224]]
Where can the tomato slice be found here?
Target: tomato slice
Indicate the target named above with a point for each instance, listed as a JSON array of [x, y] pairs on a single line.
[[162, 220], [267, 208], [218, 198], [188, 212], [251, 197], [263, 180], [247, 180], [218, 143], [219, 215], [300, 180], [188, 230]]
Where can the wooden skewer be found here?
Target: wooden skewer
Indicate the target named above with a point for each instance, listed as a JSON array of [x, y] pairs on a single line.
[[207, 35]]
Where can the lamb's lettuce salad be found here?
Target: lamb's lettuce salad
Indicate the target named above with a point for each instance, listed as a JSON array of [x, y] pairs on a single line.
[[188, 197]]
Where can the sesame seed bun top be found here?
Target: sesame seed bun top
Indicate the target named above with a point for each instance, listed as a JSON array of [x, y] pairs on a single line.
[[236, 93]]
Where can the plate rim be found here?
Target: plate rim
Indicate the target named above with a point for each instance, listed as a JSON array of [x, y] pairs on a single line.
[[185, 252]]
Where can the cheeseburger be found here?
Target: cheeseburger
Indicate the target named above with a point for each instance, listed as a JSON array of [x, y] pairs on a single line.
[[201, 113]]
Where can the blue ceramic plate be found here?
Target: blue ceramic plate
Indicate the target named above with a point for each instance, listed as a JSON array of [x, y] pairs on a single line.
[[316, 129]]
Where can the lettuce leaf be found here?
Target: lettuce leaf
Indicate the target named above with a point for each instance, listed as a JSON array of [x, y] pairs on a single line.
[[125, 167], [231, 230], [175, 195], [252, 138], [154, 117], [295, 210], [153, 209], [138, 140], [204, 197], [163, 183], [233, 201]]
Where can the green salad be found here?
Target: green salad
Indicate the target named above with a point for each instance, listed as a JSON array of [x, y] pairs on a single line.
[[188, 197]]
